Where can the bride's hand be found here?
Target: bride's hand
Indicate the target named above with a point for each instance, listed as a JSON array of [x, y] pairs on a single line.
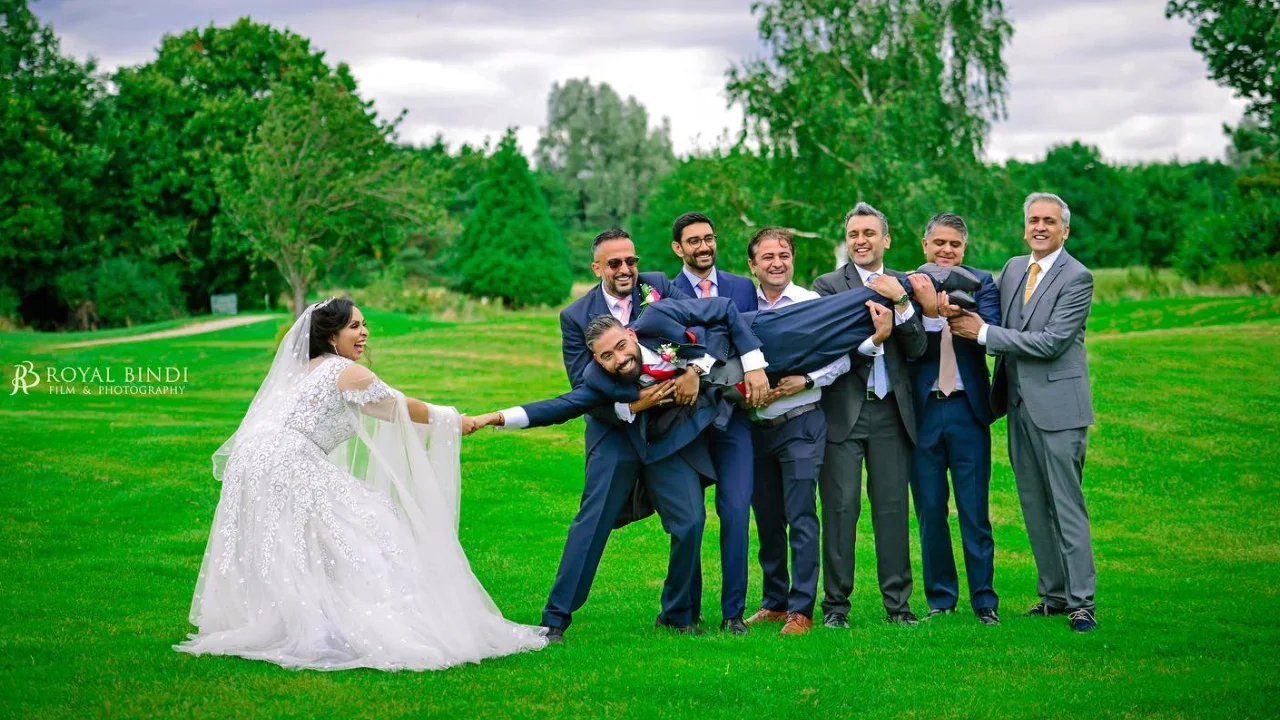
[[471, 424]]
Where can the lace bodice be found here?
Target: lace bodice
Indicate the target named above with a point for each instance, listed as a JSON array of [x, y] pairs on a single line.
[[322, 411]]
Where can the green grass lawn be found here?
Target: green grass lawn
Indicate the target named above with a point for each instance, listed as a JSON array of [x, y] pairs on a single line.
[[106, 501]]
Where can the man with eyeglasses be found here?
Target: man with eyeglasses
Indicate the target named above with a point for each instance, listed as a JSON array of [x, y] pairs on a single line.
[[693, 239], [613, 461]]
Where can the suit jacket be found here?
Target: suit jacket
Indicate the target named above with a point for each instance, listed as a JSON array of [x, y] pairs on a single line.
[[735, 287], [577, 356], [971, 358], [843, 399], [1040, 356], [668, 322]]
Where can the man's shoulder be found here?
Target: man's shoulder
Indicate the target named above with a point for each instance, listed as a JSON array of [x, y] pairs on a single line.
[[578, 308], [654, 277], [830, 279], [979, 273], [799, 293]]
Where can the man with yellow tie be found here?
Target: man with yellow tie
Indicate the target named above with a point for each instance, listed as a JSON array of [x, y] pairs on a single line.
[[1042, 381]]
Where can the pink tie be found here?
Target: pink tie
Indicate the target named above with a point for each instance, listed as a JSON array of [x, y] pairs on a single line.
[[624, 310], [946, 362], [704, 287]]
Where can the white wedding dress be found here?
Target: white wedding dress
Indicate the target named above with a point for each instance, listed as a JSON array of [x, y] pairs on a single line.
[[335, 544]]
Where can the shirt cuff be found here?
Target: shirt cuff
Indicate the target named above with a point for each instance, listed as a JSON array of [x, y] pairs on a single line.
[[982, 334], [905, 315], [514, 419], [870, 349], [933, 324], [623, 411], [704, 363], [753, 360]]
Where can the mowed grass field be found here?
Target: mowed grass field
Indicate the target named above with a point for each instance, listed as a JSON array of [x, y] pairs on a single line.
[[106, 502]]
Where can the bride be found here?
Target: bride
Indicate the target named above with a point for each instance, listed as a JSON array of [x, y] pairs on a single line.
[[335, 541]]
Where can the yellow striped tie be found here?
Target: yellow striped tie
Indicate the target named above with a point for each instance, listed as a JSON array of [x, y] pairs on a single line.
[[1031, 282]]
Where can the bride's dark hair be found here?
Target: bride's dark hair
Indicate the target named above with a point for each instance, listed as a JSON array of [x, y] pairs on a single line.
[[327, 321]]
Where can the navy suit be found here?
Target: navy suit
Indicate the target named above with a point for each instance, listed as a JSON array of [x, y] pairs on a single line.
[[732, 456], [614, 461], [735, 287], [954, 432]]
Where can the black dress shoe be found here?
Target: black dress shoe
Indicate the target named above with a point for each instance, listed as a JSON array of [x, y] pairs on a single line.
[[1083, 621], [835, 620], [679, 629], [962, 300], [1043, 609], [905, 617], [555, 636], [935, 612], [951, 279], [734, 625], [987, 616]]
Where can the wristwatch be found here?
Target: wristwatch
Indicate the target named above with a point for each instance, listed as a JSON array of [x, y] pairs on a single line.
[[808, 382], [697, 369], [906, 298]]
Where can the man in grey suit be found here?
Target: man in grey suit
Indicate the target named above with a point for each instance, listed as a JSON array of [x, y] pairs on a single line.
[[1042, 381], [870, 418]]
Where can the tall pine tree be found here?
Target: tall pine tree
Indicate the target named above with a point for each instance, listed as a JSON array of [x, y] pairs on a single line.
[[510, 248]]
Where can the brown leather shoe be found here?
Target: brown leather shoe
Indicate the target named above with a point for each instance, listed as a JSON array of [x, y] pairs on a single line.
[[764, 615], [797, 624]]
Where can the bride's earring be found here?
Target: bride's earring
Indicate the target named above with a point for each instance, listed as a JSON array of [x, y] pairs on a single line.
[[334, 345]]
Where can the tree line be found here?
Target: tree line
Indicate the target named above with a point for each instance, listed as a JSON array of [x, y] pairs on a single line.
[[240, 159]]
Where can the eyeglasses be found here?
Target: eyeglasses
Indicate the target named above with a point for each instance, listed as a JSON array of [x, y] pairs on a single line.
[[697, 242], [615, 263]]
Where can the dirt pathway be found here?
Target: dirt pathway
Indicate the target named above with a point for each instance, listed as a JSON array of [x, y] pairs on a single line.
[[196, 329]]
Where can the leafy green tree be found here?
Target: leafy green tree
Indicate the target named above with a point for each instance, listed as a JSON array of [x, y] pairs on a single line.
[[48, 163], [321, 173], [510, 247], [598, 157], [1240, 40], [1103, 232], [175, 124], [886, 101]]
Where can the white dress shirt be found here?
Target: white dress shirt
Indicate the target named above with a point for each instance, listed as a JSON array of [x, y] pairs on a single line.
[[1045, 263], [869, 348], [694, 280], [612, 302], [822, 377]]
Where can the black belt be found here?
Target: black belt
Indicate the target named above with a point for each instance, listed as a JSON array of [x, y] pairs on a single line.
[[937, 394], [872, 397], [788, 415]]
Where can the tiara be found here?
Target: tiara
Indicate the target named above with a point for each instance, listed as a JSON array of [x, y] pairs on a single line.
[[322, 303]]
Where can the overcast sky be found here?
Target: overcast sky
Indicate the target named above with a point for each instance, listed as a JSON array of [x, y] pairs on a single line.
[[1114, 73]]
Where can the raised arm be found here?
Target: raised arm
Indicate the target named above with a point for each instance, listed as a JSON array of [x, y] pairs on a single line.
[[360, 386]]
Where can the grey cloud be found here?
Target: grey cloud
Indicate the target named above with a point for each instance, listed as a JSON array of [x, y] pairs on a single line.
[[1113, 73]]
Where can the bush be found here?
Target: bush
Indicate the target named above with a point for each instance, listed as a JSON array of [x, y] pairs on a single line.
[[120, 291], [393, 292]]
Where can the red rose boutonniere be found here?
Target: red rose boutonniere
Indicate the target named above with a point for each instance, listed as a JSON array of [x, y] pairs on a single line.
[[649, 294], [668, 352]]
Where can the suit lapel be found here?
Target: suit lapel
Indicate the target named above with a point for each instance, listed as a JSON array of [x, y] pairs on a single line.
[[1012, 297], [682, 284], [1043, 287], [597, 305], [851, 277]]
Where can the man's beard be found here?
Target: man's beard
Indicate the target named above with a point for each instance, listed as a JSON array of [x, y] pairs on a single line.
[[704, 262], [634, 372]]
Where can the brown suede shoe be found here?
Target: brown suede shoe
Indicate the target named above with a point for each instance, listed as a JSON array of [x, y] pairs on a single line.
[[764, 615], [797, 624]]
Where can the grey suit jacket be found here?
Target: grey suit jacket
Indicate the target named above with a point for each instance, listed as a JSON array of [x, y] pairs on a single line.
[[842, 401], [1040, 355]]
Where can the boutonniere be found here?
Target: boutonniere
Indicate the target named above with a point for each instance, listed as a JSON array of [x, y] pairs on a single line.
[[648, 294], [668, 352]]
